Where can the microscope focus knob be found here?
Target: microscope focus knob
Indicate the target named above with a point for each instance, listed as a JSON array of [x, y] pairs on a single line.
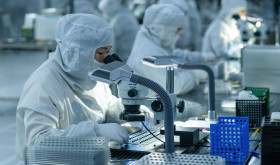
[[132, 93], [257, 33], [157, 106], [181, 106]]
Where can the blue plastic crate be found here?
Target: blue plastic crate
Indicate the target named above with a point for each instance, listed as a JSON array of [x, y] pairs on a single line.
[[230, 138]]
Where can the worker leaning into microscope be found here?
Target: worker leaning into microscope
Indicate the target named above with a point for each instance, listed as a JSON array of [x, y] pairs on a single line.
[[59, 99]]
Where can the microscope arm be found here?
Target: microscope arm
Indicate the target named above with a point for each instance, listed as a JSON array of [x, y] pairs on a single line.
[[167, 105], [211, 94], [116, 71]]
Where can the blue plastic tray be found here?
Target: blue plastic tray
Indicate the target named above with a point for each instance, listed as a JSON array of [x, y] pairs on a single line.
[[230, 138]]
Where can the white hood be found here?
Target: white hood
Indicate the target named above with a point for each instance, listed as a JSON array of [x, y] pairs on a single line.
[[162, 21], [110, 8], [181, 4], [232, 7], [78, 36], [185, 36]]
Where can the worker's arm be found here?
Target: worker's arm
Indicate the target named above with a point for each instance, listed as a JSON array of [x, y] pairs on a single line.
[[39, 126], [184, 81], [219, 41], [115, 107], [192, 57]]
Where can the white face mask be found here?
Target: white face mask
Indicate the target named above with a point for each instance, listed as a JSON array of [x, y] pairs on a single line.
[[170, 39], [176, 38], [167, 35], [97, 64]]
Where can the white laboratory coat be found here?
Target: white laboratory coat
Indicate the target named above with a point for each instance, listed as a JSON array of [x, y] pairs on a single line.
[[59, 99], [223, 32]]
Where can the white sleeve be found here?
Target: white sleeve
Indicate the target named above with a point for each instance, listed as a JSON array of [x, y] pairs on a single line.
[[191, 56], [218, 42], [115, 107], [184, 81], [114, 110], [39, 126]]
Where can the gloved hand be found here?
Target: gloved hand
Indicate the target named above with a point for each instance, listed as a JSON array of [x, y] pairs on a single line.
[[113, 131], [209, 56], [234, 50]]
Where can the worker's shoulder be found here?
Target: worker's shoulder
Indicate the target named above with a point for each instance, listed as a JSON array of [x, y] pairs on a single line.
[[44, 77], [147, 47], [215, 27], [125, 21]]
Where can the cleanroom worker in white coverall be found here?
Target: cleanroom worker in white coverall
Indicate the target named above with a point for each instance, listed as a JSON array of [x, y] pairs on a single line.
[[157, 37], [124, 24], [59, 98], [223, 33], [186, 38], [191, 35]]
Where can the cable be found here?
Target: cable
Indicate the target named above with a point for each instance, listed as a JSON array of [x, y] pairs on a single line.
[[204, 146], [151, 132]]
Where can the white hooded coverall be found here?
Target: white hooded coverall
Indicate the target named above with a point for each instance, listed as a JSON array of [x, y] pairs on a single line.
[[125, 26], [59, 99], [157, 37], [223, 32], [191, 35]]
